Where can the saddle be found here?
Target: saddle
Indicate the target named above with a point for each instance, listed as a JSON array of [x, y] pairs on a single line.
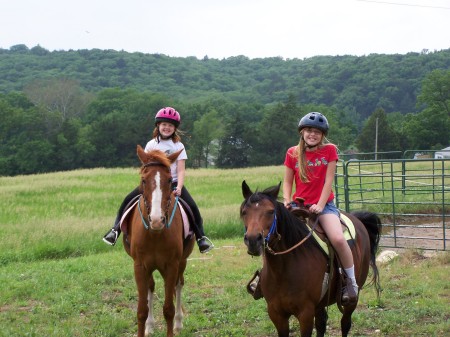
[[334, 264], [300, 210]]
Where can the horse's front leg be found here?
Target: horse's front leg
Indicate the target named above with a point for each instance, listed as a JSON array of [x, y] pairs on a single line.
[[150, 322], [170, 281], [280, 320], [346, 320], [178, 308], [142, 283], [306, 320], [321, 321]]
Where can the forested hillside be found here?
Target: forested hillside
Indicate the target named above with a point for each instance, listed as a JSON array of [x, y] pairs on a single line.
[[86, 108]]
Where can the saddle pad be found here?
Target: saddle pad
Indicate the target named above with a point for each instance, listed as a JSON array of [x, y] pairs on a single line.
[[186, 227], [349, 233], [125, 214]]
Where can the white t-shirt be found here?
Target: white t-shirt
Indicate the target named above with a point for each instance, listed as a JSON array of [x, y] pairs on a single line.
[[168, 147]]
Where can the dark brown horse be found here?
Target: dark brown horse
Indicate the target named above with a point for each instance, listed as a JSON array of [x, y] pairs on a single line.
[[292, 281], [154, 239]]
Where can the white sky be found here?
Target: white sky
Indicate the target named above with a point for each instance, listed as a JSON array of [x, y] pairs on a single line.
[[225, 28]]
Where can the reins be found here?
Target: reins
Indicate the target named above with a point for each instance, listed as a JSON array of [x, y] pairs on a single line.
[[155, 163], [271, 251]]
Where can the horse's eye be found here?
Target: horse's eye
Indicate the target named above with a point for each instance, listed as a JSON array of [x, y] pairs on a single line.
[[271, 212]]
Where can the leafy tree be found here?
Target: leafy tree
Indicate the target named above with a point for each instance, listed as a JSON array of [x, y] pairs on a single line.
[[24, 146], [427, 130], [387, 138], [430, 129], [61, 98], [436, 91], [234, 145], [208, 130], [276, 133]]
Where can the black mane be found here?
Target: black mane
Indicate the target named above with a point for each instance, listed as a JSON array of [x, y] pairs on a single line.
[[291, 228]]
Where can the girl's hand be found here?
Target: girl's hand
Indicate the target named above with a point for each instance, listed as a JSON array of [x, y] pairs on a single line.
[[314, 208], [177, 191]]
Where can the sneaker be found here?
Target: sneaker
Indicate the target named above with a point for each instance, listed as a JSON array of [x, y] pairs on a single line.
[[110, 238], [204, 244], [349, 293]]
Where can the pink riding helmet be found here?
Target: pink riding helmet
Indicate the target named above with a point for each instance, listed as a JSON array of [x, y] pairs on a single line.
[[168, 114]]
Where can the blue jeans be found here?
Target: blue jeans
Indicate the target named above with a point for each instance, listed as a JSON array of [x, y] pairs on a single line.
[[330, 208]]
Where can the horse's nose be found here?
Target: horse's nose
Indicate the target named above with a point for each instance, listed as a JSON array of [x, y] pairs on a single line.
[[254, 244], [158, 224]]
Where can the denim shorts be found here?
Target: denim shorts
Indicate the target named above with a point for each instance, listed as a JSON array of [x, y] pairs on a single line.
[[330, 208]]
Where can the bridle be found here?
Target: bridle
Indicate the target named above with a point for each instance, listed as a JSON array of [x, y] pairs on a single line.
[[273, 231], [148, 204]]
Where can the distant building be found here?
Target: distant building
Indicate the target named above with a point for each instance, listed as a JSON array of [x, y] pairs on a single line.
[[443, 154]]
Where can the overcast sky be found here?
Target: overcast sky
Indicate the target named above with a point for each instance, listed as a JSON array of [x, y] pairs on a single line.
[[225, 28]]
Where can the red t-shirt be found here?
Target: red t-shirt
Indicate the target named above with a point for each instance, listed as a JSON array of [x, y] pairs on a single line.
[[317, 167]]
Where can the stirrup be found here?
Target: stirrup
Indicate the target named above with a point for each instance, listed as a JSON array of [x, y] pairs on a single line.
[[211, 245], [254, 286], [114, 240]]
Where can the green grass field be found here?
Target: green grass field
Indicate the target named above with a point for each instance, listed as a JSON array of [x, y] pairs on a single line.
[[57, 278]]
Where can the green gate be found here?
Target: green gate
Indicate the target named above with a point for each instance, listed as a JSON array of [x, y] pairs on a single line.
[[411, 196]]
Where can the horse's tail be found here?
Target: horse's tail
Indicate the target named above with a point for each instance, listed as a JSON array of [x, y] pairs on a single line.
[[373, 226]]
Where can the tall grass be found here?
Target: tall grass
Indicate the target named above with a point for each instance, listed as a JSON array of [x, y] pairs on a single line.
[[65, 214]]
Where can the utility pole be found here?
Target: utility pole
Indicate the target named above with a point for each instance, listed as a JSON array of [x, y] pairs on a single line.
[[376, 137]]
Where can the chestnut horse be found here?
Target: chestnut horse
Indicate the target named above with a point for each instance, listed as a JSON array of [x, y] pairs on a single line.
[[294, 265], [154, 239]]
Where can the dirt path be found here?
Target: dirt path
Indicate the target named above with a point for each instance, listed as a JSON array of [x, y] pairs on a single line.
[[423, 236]]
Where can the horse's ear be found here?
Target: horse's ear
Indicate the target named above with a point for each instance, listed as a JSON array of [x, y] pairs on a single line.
[[273, 191], [174, 156], [246, 192], [141, 154]]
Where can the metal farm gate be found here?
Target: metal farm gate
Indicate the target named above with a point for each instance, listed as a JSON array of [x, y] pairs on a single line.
[[411, 196]]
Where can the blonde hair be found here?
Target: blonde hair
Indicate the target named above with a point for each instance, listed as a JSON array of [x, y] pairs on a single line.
[[300, 154]]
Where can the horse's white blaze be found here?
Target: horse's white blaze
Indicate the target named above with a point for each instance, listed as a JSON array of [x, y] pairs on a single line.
[[150, 322], [156, 210]]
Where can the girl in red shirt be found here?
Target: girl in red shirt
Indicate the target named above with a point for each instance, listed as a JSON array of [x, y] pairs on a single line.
[[312, 164]]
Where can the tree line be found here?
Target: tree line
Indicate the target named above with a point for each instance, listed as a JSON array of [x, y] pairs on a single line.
[[54, 121], [357, 84]]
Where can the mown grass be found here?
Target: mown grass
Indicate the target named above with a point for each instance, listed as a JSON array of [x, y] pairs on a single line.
[[57, 278]]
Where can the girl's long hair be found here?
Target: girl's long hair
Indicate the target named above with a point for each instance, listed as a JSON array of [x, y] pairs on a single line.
[[300, 154], [176, 136]]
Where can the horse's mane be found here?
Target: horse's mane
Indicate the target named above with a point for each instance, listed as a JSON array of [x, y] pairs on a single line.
[[157, 157], [291, 228]]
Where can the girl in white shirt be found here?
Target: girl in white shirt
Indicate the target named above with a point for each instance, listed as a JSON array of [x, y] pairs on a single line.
[[167, 139]]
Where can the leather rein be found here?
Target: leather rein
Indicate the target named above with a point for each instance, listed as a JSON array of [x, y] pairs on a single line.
[[273, 229], [148, 204]]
